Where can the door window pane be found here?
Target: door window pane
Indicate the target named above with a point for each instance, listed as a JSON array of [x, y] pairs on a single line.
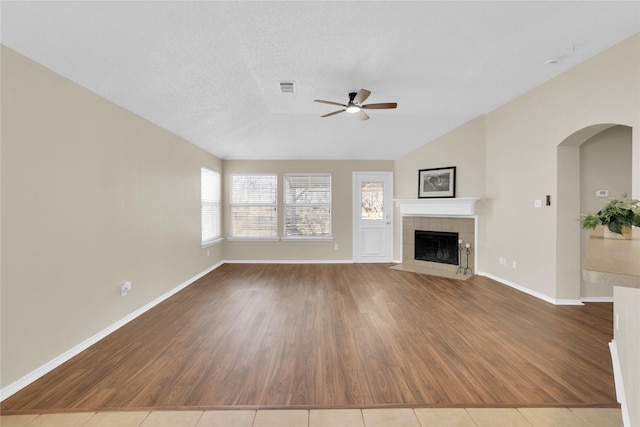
[[371, 196]]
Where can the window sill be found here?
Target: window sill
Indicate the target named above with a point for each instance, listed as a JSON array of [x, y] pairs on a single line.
[[211, 243], [308, 239], [277, 239], [252, 239]]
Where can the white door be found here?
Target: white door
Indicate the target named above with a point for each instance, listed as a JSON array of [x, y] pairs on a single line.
[[373, 216]]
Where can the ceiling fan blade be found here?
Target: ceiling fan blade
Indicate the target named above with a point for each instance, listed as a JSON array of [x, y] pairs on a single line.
[[335, 112], [361, 96], [362, 115], [380, 106], [329, 102]]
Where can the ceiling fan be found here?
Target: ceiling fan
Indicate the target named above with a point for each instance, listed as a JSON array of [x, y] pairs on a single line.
[[355, 105]]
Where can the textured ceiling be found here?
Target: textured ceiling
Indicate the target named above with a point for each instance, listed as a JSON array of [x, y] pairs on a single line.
[[209, 71]]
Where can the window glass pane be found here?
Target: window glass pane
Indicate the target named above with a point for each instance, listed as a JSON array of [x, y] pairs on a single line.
[[310, 189], [252, 189], [210, 205], [254, 221], [371, 196], [307, 199], [307, 221], [254, 210]]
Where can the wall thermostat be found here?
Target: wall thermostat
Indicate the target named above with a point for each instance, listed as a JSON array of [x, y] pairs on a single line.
[[602, 193]]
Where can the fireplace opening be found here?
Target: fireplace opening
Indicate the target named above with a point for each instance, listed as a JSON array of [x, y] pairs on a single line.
[[436, 246]]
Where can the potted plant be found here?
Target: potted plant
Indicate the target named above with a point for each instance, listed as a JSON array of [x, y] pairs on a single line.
[[618, 216]]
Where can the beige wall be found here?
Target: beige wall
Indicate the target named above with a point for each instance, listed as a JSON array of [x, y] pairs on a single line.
[[92, 196], [342, 213], [521, 154], [463, 148], [521, 159]]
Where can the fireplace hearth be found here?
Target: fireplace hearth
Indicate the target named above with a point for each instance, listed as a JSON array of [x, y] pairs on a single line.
[[436, 246]]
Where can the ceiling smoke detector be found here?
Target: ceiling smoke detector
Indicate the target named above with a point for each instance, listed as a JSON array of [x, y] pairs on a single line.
[[571, 50]]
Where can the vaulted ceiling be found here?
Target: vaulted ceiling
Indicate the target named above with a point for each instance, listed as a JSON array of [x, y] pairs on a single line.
[[209, 71]]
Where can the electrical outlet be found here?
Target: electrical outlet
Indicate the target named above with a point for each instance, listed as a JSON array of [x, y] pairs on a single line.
[[537, 203], [207, 252], [513, 264], [336, 247]]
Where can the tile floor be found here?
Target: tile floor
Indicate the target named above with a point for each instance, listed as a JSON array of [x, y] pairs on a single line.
[[418, 417]]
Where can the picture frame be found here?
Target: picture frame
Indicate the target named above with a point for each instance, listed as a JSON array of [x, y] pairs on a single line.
[[437, 183]]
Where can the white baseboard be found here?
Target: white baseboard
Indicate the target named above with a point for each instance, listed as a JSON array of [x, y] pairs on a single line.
[[597, 299], [554, 301], [290, 261], [32, 376], [301, 261], [617, 377]]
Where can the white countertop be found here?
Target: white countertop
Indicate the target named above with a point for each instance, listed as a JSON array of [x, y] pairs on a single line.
[[612, 261]]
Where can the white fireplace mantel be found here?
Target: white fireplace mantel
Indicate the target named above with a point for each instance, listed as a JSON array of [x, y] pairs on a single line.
[[440, 207]]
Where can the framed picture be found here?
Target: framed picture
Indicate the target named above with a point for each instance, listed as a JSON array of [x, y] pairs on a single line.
[[438, 183]]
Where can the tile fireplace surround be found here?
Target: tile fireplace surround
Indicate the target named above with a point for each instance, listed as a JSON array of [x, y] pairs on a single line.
[[452, 215]]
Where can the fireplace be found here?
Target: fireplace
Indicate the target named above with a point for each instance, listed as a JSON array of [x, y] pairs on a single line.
[[462, 227], [436, 246], [450, 215]]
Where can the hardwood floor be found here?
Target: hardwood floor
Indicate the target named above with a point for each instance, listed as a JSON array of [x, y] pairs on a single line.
[[339, 335]]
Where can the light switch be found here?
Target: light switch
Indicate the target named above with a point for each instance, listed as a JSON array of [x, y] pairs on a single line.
[[537, 203]]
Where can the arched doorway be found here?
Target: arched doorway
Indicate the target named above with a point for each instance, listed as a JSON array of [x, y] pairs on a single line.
[[569, 234]]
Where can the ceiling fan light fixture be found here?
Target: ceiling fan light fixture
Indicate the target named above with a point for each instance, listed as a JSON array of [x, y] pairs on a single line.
[[356, 105]]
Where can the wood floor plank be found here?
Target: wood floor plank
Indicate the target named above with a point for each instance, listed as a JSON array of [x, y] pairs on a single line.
[[339, 335]]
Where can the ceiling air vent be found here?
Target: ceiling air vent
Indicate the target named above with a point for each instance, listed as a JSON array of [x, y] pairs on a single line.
[[287, 87]]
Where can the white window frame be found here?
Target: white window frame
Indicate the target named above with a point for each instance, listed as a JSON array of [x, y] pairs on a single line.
[[271, 204], [288, 206], [210, 207]]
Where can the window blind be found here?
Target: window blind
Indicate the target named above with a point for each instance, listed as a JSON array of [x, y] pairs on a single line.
[[210, 205], [254, 205], [307, 205]]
